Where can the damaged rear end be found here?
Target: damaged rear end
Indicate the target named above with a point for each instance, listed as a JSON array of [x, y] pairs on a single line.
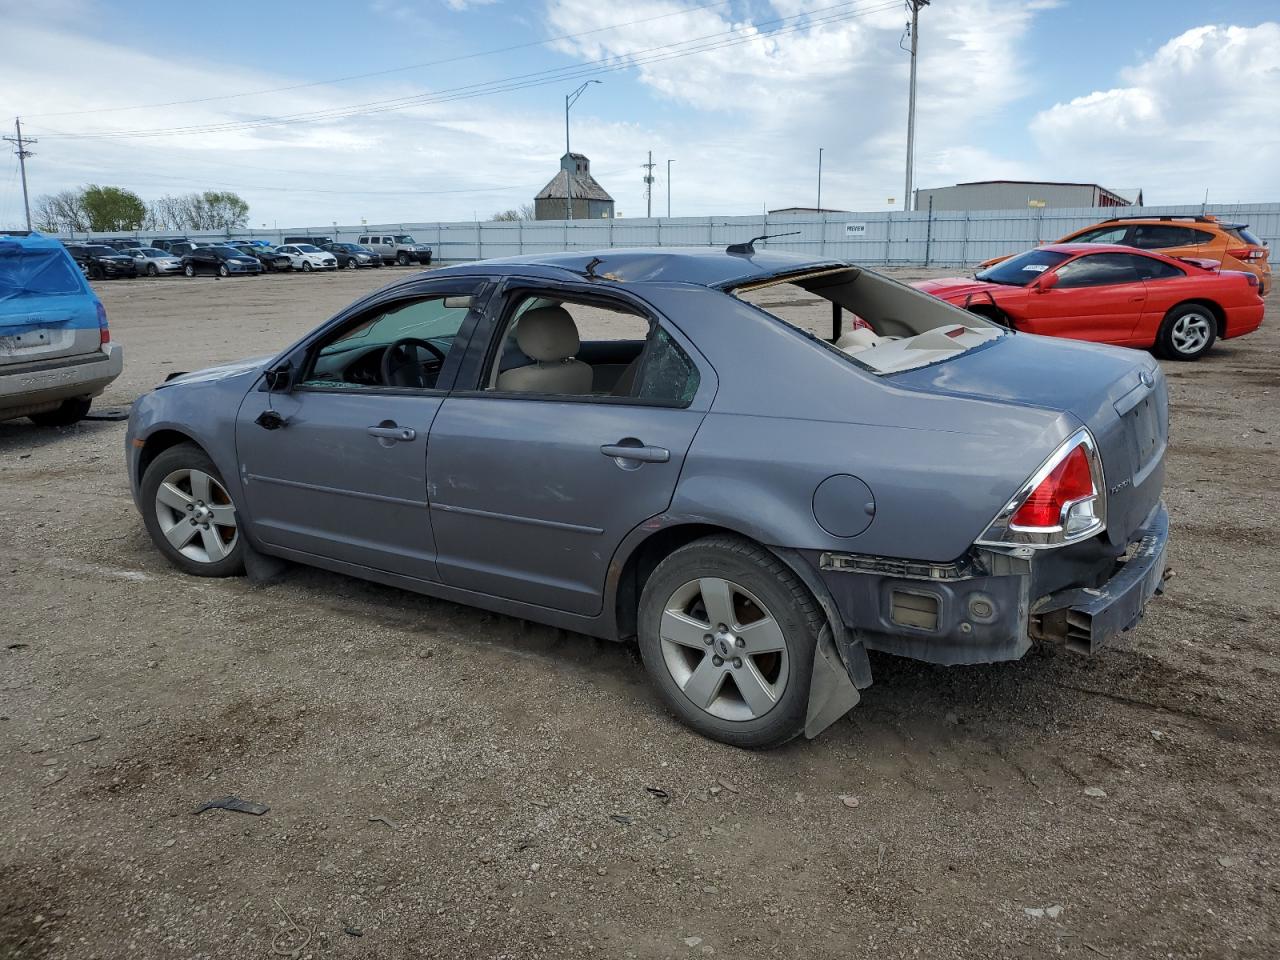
[[1077, 550]]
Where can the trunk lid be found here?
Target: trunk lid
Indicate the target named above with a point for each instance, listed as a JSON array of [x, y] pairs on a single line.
[[1119, 394], [46, 310]]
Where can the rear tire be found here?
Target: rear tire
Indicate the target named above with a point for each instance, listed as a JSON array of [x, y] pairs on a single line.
[[1187, 333], [756, 700], [71, 411], [192, 485]]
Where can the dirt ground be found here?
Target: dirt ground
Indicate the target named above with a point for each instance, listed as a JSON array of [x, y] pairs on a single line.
[[449, 783]]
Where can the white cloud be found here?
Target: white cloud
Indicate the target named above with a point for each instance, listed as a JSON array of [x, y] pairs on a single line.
[[1197, 114]]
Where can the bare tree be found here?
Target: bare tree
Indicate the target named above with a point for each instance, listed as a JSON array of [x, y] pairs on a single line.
[[525, 212], [63, 211]]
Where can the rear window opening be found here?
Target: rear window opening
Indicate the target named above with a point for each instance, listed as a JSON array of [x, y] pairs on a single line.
[[881, 325]]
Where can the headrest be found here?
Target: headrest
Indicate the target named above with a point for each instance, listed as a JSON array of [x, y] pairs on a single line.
[[858, 339], [547, 334]]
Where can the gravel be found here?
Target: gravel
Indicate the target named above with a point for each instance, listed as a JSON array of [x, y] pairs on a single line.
[[450, 783]]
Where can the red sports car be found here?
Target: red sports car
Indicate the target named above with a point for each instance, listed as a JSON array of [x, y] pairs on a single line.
[[1112, 294]]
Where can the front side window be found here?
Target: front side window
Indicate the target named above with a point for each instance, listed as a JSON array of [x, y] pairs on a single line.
[[564, 347], [400, 346], [1113, 234], [1098, 270]]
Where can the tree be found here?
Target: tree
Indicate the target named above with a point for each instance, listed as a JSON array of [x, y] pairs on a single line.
[[113, 208], [61, 212], [524, 213], [224, 210]]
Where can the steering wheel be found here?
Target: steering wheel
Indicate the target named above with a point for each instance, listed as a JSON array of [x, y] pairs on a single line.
[[399, 355]]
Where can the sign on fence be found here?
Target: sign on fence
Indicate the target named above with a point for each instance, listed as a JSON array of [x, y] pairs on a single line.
[[855, 229]]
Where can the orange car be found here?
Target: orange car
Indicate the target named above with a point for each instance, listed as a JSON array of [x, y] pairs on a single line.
[[1204, 237]]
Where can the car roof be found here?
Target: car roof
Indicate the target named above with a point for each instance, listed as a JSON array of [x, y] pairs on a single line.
[[32, 241], [703, 266]]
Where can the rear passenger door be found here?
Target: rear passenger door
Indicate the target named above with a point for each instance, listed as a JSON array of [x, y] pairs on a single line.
[[531, 491]]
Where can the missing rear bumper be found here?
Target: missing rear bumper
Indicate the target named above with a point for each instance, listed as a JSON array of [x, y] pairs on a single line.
[[1084, 620]]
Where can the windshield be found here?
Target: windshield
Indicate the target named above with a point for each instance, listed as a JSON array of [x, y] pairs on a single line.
[[306, 248], [226, 251], [149, 252], [351, 247], [1020, 270], [405, 238], [99, 251], [1246, 235]]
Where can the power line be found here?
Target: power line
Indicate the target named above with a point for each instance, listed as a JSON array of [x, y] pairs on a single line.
[[382, 73], [708, 43]]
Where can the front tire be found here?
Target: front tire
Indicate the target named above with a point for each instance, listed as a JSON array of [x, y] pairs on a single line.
[[728, 634], [152, 271], [402, 258], [306, 266], [1187, 333], [190, 515], [72, 411], [189, 270], [351, 264]]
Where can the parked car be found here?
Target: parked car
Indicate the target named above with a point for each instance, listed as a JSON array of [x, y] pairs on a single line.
[[398, 248], [99, 262], [1201, 237], [267, 256], [314, 241], [755, 505], [1112, 294], [165, 243], [221, 261], [248, 242], [153, 262], [307, 257], [352, 255], [122, 243], [56, 353]]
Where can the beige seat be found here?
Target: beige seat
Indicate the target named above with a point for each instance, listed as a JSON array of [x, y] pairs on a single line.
[[550, 337], [859, 339]]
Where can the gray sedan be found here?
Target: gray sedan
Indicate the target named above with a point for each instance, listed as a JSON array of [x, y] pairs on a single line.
[[153, 262], [650, 446]]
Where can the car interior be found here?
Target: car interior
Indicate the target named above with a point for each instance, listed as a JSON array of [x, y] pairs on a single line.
[[882, 325], [540, 352]]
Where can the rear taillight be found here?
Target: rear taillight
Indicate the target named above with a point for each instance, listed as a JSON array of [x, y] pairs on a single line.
[[1063, 502], [104, 331], [1247, 253]]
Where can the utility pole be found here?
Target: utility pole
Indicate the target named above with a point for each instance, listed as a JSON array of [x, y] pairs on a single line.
[[648, 186], [914, 6], [22, 153], [820, 179], [669, 163]]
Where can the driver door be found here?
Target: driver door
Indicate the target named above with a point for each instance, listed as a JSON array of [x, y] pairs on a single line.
[[345, 477]]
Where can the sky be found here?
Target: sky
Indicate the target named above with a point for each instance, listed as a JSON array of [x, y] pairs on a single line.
[[423, 110]]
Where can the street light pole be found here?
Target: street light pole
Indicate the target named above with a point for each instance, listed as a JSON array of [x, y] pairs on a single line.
[[669, 163], [569, 100], [915, 6]]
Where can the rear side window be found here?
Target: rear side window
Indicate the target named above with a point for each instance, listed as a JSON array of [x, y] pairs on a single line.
[[26, 272], [1158, 236], [1149, 269]]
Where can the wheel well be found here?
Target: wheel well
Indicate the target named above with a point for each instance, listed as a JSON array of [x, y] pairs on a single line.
[[1219, 316], [643, 561], [158, 443], [992, 313]]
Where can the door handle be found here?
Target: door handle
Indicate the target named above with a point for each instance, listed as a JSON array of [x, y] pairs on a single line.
[[636, 451], [389, 431]]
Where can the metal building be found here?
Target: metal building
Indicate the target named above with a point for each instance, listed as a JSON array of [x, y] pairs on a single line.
[[590, 200], [1019, 194]]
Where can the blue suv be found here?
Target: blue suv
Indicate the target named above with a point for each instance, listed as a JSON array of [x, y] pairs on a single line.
[[56, 353]]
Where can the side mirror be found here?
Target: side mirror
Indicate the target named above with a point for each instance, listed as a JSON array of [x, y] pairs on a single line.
[[279, 377], [1046, 282]]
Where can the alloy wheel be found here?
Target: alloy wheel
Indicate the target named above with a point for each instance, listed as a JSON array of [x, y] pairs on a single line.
[[724, 649], [196, 515], [1191, 332]]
